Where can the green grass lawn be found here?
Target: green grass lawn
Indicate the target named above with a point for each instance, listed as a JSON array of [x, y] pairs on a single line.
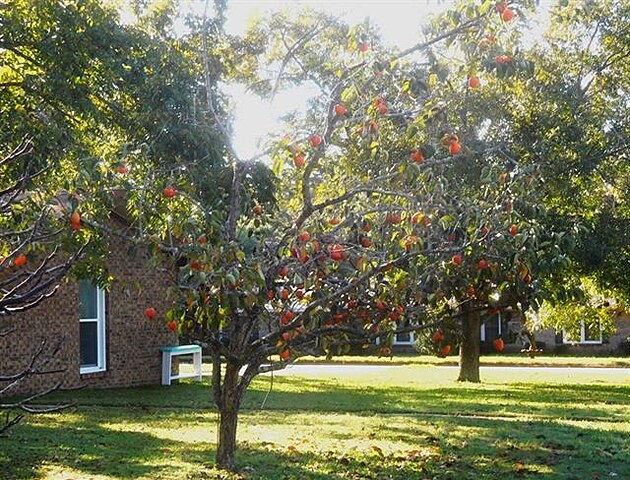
[[404, 422]]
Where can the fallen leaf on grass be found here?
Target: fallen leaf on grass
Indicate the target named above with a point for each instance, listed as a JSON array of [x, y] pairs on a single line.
[[378, 450]]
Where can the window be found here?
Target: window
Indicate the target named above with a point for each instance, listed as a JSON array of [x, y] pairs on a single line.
[[584, 333], [493, 328], [91, 327], [406, 338]]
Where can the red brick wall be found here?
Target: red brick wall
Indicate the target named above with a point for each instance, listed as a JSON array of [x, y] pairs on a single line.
[[612, 347], [133, 341]]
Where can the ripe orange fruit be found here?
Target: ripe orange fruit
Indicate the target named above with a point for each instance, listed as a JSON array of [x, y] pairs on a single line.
[[172, 326], [335, 221], [284, 271], [315, 140], [340, 109], [305, 236], [284, 294], [366, 242], [380, 105], [285, 354], [384, 352], [507, 15], [473, 81], [75, 218], [457, 259], [470, 291], [122, 169], [150, 313], [417, 217], [445, 350], [169, 192], [257, 209], [483, 264], [454, 148], [393, 218], [336, 252], [513, 230], [299, 161], [498, 344], [20, 260], [417, 156], [437, 336], [286, 317]]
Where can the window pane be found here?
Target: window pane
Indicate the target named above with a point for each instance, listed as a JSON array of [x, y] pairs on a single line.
[[403, 337], [87, 297], [591, 332], [89, 343], [492, 329]]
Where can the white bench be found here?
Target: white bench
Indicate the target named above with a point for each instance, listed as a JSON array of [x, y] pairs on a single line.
[[167, 361]]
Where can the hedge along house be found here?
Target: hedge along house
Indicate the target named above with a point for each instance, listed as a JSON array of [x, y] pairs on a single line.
[[92, 337]]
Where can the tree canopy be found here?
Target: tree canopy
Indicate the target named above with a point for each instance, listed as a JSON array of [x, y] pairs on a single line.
[[423, 189]]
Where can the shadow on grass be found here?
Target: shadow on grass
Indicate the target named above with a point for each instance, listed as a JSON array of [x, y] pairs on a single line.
[[449, 449], [85, 445], [446, 448], [577, 401], [608, 402]]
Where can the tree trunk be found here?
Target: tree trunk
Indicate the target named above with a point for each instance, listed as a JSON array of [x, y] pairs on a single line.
[[228, 410], [226, 449], [469, 349]]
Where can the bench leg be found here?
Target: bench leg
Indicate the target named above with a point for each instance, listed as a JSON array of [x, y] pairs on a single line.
[[166, 368], [197, 365]]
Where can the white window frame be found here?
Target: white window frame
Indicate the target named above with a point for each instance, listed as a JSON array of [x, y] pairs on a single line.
[[411, 341], [100, 320], [482, 332], [582, 340]]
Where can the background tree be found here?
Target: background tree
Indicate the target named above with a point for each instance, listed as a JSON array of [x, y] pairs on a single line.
[[567, 124], [37, 249], [104, 107]]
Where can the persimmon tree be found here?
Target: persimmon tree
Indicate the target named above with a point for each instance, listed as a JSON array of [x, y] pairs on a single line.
[[397, 206]]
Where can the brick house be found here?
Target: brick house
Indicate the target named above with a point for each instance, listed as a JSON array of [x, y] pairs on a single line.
[[104, 338], [588, 341]]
